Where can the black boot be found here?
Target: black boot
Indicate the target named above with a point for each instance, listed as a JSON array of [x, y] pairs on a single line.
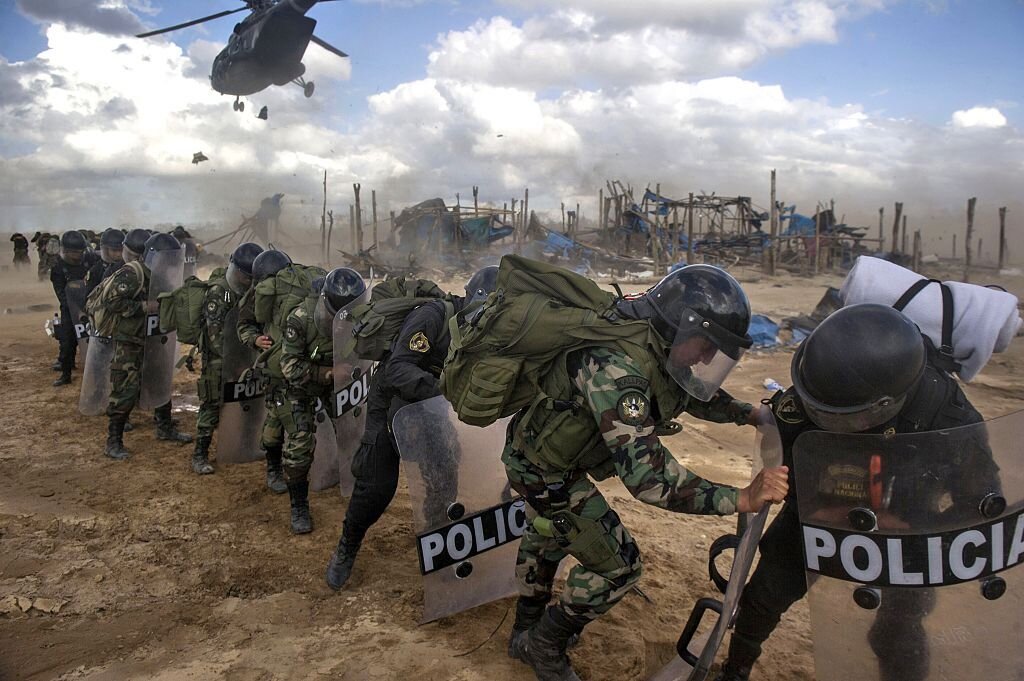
[[275, 474], [65, 379], [201, 456], [166, 428], [528, 612], [115, 448], [543, 646], [733, 672], [339, 568], [57, 366], [302, 522]]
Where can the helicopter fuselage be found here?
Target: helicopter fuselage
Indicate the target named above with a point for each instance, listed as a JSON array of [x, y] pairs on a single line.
[[264, 49]]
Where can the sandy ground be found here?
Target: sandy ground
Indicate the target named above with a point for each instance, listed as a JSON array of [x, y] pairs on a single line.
[[141, 570]]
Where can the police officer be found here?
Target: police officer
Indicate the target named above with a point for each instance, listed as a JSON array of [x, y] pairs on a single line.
[[111, 257], [867, 369], [222, 294], [307, 358], [601, 422], [251, 333], [410, 373], [20, 250], [127, 298], [72, 265]]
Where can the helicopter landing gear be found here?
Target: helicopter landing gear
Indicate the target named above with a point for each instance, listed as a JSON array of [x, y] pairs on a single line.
[[238, 105], [307, 86]]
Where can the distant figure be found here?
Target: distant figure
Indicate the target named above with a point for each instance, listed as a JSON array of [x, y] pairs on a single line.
[[20, 250], [198, 158]]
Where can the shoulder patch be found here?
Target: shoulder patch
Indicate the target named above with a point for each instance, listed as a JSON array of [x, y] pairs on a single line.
[[632, 382], [419, 342], [633, 408], [290, 333], [788, 411]]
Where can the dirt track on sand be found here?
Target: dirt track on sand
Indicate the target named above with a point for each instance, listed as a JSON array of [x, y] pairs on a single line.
[[142, 570]]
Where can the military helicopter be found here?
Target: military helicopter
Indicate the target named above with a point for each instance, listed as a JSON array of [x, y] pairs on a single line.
[[266, 48]]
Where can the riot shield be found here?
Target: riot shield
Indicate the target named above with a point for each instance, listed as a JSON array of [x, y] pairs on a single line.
[[351, 388], [468, 523], [161, 349], [689, 665], [324, 474], [191, 258], [75, 292], [913, 545], [96, 376], [242, 408]]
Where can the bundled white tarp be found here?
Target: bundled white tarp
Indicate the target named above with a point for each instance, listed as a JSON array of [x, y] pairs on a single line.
[[985, 320]]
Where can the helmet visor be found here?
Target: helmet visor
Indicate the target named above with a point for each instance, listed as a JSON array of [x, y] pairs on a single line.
[[72, 256], [323, 316], [111, 254], [702, 355], [238, 280]]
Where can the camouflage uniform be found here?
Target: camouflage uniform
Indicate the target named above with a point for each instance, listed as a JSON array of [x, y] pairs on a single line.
[[219, 300], [568, 515], [307, 357], [126, 297]]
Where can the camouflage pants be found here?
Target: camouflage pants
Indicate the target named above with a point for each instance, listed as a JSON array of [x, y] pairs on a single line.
[[125, 376], [276, 402], [299, 424], [209, 389], [569, 516]]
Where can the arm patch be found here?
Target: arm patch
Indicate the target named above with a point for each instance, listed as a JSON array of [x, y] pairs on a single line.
[[633, 408]]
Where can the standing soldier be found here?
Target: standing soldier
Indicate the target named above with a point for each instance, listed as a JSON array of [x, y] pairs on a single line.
[[307, 358], [223, 291], [49, 253], [111, 258], [72, 265], [125, 298], [20, 250]]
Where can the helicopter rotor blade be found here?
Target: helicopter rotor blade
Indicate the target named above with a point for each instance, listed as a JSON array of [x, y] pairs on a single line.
[[218, 15], [329, 47]]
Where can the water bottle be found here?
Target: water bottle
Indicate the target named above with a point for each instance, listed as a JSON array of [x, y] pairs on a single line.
[[772, 384]]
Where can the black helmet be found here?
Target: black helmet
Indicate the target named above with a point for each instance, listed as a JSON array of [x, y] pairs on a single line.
[[341, 286], [855, 370], [159, 244], [179, 232], [239, 274], [111, 245], [702, 311], [481, 284], [73, 241], [269, 263], [135, 244]]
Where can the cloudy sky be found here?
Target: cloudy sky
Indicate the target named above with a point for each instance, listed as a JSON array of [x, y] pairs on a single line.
[[862, 101]]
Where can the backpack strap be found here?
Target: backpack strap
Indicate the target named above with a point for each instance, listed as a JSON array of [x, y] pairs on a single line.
[[945, 351]]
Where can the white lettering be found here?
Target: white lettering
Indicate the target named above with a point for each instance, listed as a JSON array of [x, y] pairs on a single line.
[[152, 324], [873, 569], [894, 547], [459, 532], [482, 542], [431, 547], [240, 389], [935, 560], [956, 555], [818, 544], [997, 547], [1017, 545], [499, 522], [340, 400], [517, 518], [356, 392]]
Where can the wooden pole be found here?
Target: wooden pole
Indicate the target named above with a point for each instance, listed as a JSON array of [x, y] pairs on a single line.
[[1002, 237], [330, 230], [323, 222], [917, 251], [352, 226], [600, 209], [563, 217], [903, 240], [689, 231], [476, 202], [817, 239], [881, 237], [967, 240], [896, 227], [393, 226], [774, 227], [373, 199], [359, 220], [675, 234]]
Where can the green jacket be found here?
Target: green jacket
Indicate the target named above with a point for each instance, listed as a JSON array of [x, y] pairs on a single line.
[[219, 300], [127, 299], [306, 354]]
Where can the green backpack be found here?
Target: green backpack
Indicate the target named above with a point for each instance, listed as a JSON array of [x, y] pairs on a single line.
[[377, 323], [500, 358], [278, 295], [103, 321], [182, 309]]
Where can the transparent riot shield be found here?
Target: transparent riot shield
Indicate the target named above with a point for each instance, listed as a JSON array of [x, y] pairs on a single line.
[[76, 295], [324, 473], [95, 395], [351, 388], [697, 646], [191, 258], [468, 523], [161, 349], [242, 408], [913, 546]]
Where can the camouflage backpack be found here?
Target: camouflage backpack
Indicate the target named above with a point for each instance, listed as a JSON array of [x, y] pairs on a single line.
[[278, 295], [503, 354], [182, 309], [104, 322], [377, 323]]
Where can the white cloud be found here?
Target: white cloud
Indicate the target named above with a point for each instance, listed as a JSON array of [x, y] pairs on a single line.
[[979, 117]]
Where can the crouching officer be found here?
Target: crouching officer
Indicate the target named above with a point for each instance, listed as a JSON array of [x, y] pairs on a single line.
[[409, 373], [601, 422], [224, 288], [126, 297], [865, 369], [307, 357]]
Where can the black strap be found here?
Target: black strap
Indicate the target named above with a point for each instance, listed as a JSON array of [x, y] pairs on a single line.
[[947, 310]]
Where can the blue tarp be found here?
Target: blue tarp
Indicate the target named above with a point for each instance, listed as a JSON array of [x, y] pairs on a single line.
[[763, 331]]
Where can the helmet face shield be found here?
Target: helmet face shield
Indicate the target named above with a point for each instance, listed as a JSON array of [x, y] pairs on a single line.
[[111, 254], [323, 316], [702, 355], [238, 280], [72, 256]]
